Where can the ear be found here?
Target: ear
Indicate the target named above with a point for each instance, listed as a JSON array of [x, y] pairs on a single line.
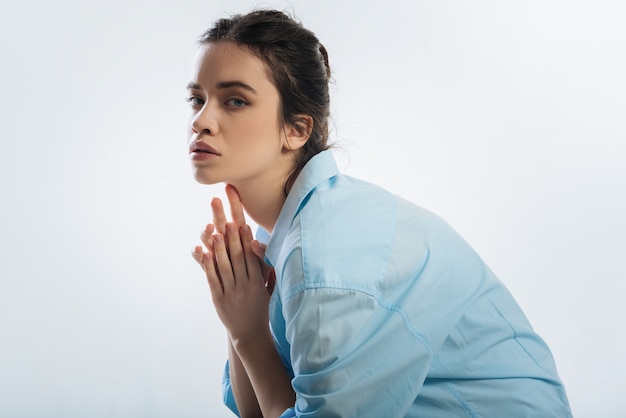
[[298, 133]]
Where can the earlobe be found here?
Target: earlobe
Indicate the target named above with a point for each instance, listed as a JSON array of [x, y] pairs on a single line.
[[297, 134]]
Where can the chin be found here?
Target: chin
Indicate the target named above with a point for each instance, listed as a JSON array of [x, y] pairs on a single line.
[[203, 178]]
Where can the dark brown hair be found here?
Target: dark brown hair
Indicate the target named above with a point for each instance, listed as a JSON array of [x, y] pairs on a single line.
[[298, 66]]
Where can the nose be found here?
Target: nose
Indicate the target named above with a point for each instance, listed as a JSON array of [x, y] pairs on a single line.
[[205, 121]]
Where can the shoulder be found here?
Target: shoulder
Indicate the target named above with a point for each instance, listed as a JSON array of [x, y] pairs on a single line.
[[348, 231], [346, 219], [351, 234], [349, 212], [346, 202]]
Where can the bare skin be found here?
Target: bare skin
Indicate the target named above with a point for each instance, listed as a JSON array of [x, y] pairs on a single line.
[[241, 285], [237, 136]]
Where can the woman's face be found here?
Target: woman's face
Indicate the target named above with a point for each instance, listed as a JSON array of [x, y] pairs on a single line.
[[235, 133]]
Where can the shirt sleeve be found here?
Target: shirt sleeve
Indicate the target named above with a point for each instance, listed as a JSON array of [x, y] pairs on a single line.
[[352, 355], [362, 330], [227, 391]]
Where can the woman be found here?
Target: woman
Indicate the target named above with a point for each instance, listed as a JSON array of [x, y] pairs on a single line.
[[373, 306]]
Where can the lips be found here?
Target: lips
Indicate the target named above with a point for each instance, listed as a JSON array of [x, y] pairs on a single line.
[[202, 147]]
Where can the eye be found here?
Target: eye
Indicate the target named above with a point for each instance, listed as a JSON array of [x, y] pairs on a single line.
[[236, 102], [195, 101]]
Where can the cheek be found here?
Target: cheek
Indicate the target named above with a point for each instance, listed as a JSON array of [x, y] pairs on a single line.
[[257, 132], [269, 127]]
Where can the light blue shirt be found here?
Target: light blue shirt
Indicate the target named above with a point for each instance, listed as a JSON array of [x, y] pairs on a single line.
[[382, 310]]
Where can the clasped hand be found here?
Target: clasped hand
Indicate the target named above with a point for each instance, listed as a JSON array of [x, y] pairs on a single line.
[[240, 281]]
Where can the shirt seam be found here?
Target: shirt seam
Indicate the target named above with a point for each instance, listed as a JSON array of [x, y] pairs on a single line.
[[379, 300], [495, 306], [561, 390], [461, 399]]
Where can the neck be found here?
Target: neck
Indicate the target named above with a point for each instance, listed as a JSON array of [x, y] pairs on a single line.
[[262, 200]]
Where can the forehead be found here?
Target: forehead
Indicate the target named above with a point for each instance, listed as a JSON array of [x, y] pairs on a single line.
[[226, 61]]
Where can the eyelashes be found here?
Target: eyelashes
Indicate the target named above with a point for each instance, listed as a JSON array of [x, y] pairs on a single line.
[[231, 102], [236, 102], [195, 101]]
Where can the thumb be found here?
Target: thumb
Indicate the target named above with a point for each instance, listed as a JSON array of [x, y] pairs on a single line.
[[258, 249]]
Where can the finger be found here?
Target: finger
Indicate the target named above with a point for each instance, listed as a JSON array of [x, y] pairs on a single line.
[[205, 236], [235, 250], [219, 217], [271, 281], [206, 262], [215, 283], [222, 260], [252, 261], [258, 249], [196, 253], [236, 208]]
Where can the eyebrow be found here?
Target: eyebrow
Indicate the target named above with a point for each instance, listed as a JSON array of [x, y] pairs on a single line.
[[193, 86], [225, 85]]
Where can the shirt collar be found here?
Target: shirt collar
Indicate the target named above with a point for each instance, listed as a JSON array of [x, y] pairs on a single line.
[[317, 170]]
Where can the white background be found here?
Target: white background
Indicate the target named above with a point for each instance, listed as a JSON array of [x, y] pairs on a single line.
[[505, 117]]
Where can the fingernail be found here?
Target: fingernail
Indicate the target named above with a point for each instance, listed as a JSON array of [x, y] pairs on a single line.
[[218, 238], [230, 227]]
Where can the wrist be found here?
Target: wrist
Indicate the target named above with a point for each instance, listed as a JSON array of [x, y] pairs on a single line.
[[252, 343]]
